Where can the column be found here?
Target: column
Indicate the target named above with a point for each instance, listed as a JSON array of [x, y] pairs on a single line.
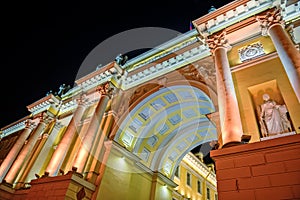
[[230, 121], [27, 172], [272, 24], [95, 163], [108, 147], [26, 150], [88, 139], [11, 156], [63, 146]]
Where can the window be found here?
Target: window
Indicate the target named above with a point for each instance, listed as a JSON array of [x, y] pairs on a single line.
[[208, 193], [199, 190], [177, 172], [188, 179]]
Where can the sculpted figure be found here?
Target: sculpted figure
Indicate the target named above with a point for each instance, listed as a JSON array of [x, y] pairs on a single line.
[[273, 117]]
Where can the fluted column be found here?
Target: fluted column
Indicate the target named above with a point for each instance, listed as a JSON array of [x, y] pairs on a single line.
[[63, 146], [89, 137], [11, 156], [272, 24], [26, 150], [230, 121]]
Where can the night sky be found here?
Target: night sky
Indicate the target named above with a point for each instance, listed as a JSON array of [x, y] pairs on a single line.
[[44, 43]]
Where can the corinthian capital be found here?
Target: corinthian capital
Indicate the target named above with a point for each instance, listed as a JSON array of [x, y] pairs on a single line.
[[106, 89], [218, 41], [29, 124], [270, 18], [82, 100], [46, 118]]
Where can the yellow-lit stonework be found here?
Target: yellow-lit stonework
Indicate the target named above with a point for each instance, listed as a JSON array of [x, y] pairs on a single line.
[[124, 129]]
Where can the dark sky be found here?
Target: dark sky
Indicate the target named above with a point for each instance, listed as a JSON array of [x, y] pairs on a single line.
[[44, 43]]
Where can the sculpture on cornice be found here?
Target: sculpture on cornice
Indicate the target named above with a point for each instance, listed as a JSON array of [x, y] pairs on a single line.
[[121, 59], [63, 89]]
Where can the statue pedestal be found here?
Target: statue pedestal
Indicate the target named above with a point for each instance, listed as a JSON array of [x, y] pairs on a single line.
[[260, 170], [277, 136]]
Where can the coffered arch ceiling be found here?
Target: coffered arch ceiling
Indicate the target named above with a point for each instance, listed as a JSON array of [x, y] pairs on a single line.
[[166, 125]]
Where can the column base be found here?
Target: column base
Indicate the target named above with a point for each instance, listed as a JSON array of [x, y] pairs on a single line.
[[7, 184], [231, 144], [244, 140]]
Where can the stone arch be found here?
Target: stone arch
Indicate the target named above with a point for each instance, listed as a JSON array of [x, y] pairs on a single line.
[[164, 125]]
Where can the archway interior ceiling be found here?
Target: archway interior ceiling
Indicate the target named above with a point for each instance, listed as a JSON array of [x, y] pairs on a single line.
[[166, 125]]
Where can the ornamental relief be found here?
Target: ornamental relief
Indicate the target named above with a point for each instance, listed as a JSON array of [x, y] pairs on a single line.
[[251, 51], [203, 71], [270, 18]]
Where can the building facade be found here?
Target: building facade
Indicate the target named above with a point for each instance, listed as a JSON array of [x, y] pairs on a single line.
[[195, 179], [123, 129]]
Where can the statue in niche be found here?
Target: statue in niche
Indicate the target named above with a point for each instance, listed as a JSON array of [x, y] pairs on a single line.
[[273, 117]]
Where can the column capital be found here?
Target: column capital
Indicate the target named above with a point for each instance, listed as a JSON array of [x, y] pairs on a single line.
[[269, 19], [106, 89], [82, 100], [218, 41], [45, 118], [29, 124]]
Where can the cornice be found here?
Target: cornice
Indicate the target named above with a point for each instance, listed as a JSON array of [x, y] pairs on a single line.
[[14, 127], [162, 50], [97, 77], [291, 13], [16, 122], [229, 17], [43, 104], [230, 14], [164, 67]]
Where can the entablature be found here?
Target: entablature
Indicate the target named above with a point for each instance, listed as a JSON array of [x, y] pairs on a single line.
[[237, 11], [170, 62], [49, 102]]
